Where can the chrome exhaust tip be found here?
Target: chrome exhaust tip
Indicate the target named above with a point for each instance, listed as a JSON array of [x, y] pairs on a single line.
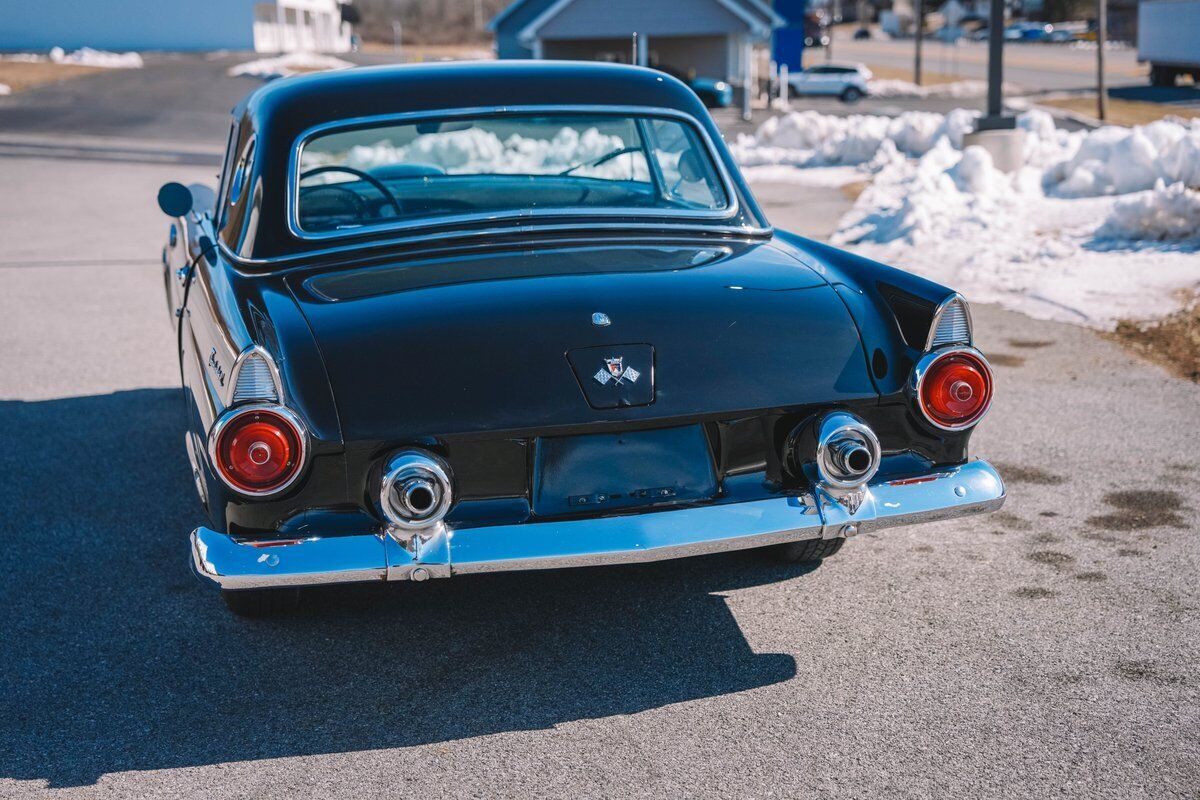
[[848, 452], [415, 492]]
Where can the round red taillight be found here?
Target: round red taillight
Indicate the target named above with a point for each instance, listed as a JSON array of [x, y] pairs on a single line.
[[954, 388], [258, 450]]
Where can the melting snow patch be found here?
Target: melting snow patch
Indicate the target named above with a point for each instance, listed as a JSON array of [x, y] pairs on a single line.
[[288, 64], [87, 57], [1097, 226], [83, 57]]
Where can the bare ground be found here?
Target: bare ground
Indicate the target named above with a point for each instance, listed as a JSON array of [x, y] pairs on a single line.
[[1173, 341], [1120, 112], [21, 75]]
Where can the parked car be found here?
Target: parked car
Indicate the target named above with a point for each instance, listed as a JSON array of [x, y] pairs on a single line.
[[1036, 32], [713, 92], [446, 319], [1028, 32], [847, 81]]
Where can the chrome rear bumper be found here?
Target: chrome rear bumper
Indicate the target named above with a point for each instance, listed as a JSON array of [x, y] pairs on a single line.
[[441, 551]]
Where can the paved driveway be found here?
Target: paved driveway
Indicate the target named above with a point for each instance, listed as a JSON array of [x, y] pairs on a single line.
[[1047, 650]]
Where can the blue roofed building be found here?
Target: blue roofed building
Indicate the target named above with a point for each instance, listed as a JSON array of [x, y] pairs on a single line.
[[706, 38]]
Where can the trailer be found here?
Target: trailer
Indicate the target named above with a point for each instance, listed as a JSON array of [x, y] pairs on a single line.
[[1169, 39]]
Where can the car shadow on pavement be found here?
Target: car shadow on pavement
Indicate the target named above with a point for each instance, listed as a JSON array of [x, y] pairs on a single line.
[[116, 658]]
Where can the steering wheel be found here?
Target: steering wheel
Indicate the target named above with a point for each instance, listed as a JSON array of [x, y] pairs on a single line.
[[358, 173]]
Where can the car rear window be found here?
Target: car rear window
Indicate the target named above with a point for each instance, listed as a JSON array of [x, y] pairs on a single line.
[[498, 165]]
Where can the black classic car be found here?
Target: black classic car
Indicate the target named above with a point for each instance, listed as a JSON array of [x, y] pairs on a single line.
[[457, 318]]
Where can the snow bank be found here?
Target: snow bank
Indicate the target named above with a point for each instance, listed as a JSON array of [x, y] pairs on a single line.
[[812, 139], [1116, 160], [1097, 226], [956, 89], [287, 65], [87, 57], [84, 57], [1165, 213]]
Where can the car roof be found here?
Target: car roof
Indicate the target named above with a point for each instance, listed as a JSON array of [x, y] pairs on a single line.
[[293, 105]]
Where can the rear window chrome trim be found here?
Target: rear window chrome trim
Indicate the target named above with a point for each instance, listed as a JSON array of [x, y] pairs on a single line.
[[729, 211], [638, 228]]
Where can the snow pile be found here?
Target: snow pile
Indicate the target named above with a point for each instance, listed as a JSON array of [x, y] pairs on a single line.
[[1084, 44], [83, 57], [1116, 160], [1097, 226], [812, 139], [287, 65], [476, 151], [5, 89], [87, 57], [957, 89], [1165, 213]]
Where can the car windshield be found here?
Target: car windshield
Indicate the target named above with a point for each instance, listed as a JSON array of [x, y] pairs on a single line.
[[505, 164]]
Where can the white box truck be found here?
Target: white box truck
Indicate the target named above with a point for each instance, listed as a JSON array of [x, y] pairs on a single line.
[[1169, 38]]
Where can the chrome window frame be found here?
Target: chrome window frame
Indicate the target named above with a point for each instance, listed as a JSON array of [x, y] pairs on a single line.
[[729, 211]]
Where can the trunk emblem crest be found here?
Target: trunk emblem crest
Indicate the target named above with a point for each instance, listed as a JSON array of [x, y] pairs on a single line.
[[600, 319], [615, 370]]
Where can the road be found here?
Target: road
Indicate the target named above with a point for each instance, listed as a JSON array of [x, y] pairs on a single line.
[[1032, 66], [1047, 650]]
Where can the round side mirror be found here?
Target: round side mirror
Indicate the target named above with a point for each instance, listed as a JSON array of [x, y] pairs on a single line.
[[175, 199]]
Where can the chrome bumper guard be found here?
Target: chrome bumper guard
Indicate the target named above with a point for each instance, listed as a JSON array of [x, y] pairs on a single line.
[[440, 552]]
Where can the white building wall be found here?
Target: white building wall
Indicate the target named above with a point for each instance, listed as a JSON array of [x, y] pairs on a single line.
[[300, 25]]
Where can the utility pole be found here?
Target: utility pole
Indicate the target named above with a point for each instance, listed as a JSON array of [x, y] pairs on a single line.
[[996, 58], [997, 134], [1101, 38], [920, 13]]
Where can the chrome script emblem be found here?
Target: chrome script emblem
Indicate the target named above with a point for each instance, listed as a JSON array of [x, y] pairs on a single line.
[[600, 319], [616, 371]]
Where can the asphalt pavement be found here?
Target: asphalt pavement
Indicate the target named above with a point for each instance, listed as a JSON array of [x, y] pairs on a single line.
[[1034, 66], [1047, 650]]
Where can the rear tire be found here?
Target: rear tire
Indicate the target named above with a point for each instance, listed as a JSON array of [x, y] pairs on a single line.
[[808, 551], [1162, 76], [261, 603], [851, 94]]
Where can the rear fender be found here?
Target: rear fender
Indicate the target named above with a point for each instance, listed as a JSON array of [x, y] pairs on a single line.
[[893, 309]]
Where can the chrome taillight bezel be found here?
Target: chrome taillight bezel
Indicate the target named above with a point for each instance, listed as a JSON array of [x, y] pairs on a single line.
[[921, 370], [237, 412]]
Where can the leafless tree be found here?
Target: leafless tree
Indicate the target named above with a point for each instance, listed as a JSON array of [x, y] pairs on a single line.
[[427, 21]]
